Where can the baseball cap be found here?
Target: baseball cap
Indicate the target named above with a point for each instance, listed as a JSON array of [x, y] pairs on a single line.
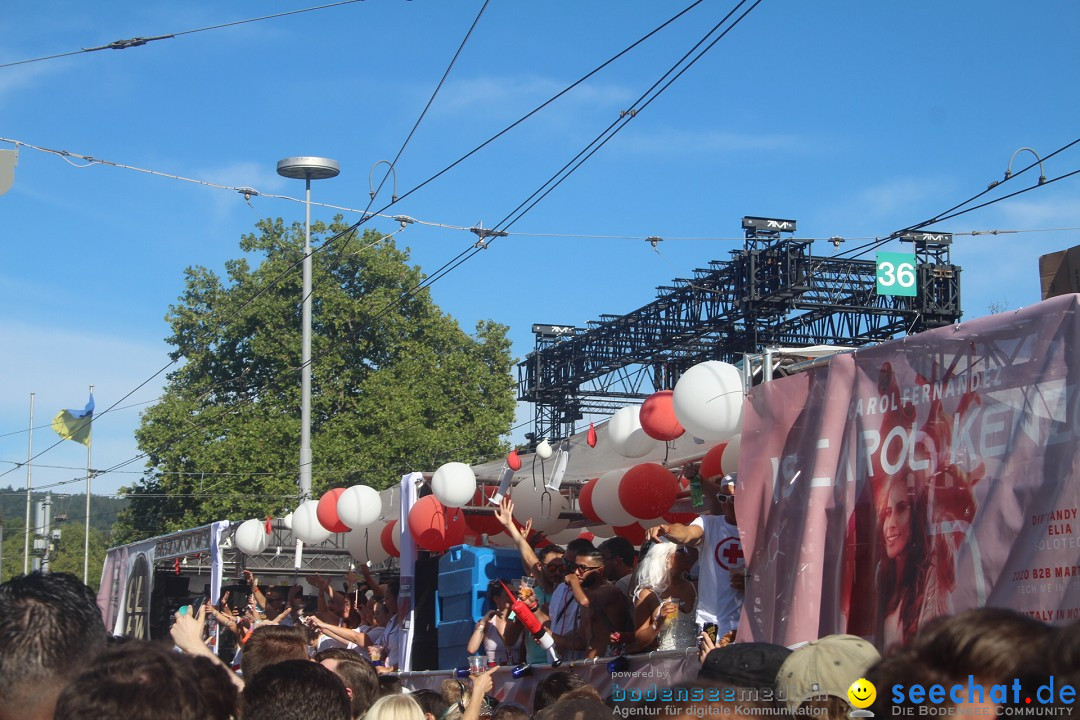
[[747, 664], [824, 667]]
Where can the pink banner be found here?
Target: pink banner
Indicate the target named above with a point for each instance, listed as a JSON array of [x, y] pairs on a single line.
[[920, 477]]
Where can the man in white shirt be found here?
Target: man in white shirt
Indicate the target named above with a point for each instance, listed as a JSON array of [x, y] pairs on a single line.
[[722, 569]]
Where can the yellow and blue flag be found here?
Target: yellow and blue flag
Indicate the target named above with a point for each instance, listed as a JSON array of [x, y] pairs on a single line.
[[75, 424]]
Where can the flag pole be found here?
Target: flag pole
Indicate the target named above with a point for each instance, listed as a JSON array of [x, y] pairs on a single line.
[[89, 479], [29, 485]]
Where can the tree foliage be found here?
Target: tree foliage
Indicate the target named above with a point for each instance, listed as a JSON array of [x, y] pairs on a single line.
[[68, 550], [396, 386]]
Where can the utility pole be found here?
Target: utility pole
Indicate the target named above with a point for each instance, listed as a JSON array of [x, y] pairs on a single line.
[[43, 542]]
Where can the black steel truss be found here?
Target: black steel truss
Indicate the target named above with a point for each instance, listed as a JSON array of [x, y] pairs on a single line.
[[773, 292]]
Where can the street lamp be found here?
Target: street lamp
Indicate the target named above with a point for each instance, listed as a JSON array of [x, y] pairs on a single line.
[[307, 169]]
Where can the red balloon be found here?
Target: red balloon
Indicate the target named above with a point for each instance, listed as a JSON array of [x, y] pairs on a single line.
[[586, 535], [327, 511], [591, 437], [484, 524], [657, 416], [513, 461], [648, 490], [683, 518], [634, 533], [585, 501], [387, 539], [435, 527], [710, 464]]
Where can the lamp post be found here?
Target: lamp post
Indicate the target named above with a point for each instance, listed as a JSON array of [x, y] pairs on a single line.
[[307, 169]]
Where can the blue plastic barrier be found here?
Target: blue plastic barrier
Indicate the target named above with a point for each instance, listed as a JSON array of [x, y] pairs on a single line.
[[464, 574]]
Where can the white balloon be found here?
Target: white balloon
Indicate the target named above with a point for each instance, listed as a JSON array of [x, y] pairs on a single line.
[[543, 507], [605, 500], [359, 506], [626, 435], [306, 525], [708, 400], [729, 460], [454, 484], [364, 544], [251, 538], [543, 450], [287, 521]]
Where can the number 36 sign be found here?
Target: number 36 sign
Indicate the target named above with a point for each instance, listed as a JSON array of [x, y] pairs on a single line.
[[896, 274]]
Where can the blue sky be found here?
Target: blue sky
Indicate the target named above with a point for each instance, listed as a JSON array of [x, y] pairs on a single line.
[[856, 119]]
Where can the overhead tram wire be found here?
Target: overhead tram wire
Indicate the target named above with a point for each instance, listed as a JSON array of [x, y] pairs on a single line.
[[916, 226], [499, 134], [140, 41], [90, 160], [423, 113], [602, 139], [328, 243], [955, 211], [367, 215]]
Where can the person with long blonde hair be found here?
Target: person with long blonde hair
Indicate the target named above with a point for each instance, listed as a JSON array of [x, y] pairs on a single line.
[[664, 599]]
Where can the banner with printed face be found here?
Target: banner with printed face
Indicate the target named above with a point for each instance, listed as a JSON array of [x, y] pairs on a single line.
[[920, 477]]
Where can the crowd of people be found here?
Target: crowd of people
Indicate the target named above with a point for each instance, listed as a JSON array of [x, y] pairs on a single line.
[[336, 658]]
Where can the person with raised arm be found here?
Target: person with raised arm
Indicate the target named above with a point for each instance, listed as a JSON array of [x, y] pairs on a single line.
[[722, 578], [546, 566]]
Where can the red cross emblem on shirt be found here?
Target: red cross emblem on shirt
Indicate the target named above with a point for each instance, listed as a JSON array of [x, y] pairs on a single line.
[[728, 553]]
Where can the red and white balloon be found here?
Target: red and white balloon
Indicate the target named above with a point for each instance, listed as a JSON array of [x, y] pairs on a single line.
[[647, 491], [434, 526], [327, 511], [626, 435], [657, 416], [605, 500]]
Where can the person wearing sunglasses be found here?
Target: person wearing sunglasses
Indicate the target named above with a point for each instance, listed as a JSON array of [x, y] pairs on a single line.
[[722, 570], [605, 611]]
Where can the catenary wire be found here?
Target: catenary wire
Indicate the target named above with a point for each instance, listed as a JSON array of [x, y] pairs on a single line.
[[602, 139], [140, 41]]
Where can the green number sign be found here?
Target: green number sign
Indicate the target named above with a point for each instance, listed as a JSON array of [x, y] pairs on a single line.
[[896, 274]]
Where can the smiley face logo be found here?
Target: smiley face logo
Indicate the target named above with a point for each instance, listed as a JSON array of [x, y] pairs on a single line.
[[862, 693]]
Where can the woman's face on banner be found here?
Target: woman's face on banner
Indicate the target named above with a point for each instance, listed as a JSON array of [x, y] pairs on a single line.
[[896, 520]]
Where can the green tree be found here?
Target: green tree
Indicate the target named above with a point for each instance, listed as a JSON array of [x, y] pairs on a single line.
[[397, 385], [67, 551]]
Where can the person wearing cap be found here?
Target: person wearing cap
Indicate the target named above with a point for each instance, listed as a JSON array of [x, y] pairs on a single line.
[[816, 676], [722, 575], [754, 665]]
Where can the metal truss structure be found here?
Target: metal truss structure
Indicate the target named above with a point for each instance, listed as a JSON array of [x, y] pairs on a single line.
[[330, 557], [774, 292]]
